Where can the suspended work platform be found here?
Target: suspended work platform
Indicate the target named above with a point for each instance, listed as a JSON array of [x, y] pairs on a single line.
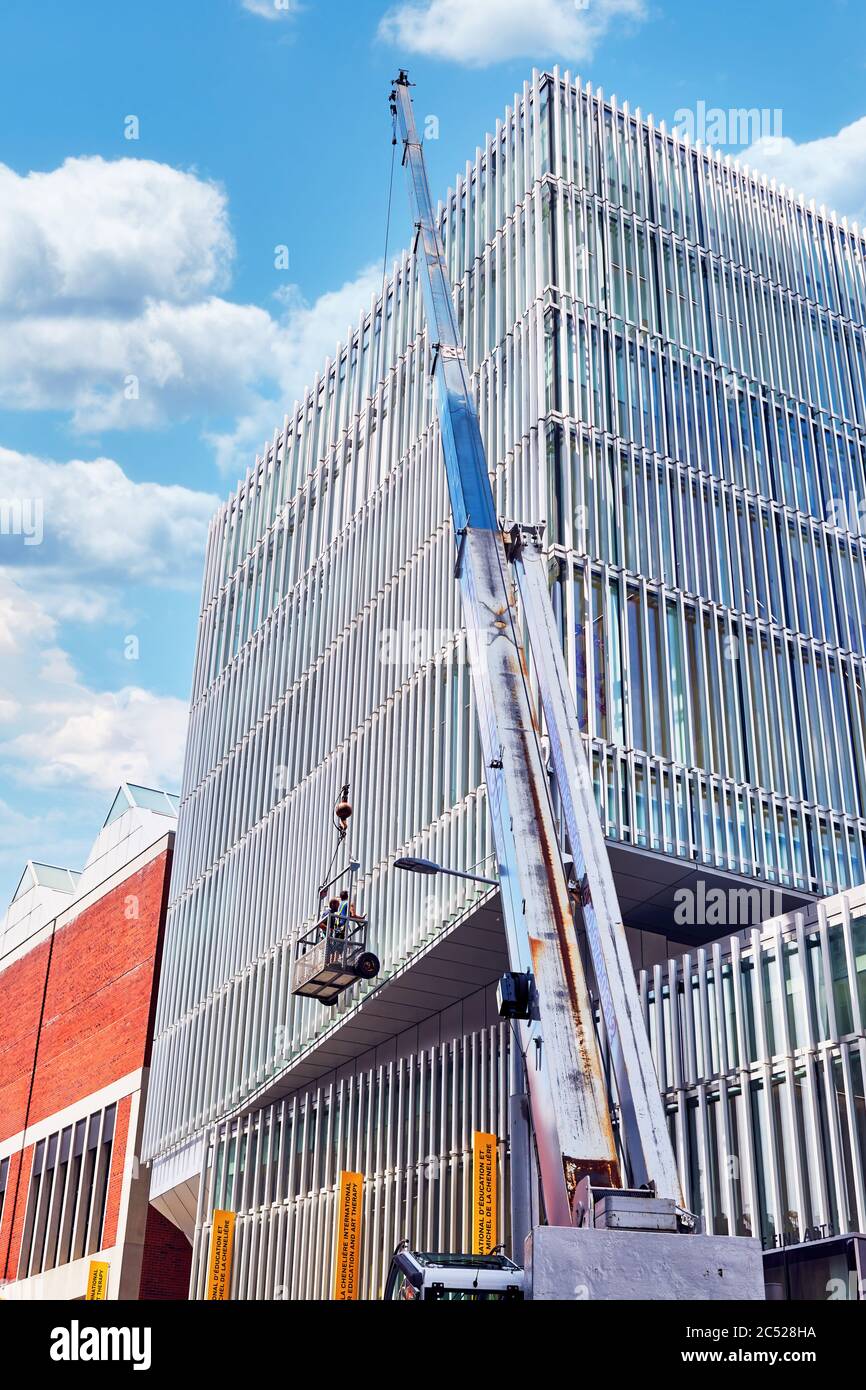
[[332, 956]]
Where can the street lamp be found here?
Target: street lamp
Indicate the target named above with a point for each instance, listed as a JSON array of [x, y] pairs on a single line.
[[426, 866], [514, 992]]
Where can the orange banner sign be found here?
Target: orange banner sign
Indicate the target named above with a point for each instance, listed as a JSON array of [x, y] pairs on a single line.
[[221, 1240], [483, 1193], [97, 1281], [346, 1272]]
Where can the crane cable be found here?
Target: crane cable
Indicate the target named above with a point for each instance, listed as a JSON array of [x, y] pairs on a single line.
[[390, 198], [342, 832]]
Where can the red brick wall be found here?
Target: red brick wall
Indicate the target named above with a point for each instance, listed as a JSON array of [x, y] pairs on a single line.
[[167, 1260], [95, 1027], [21, 989], [97, 1004], [112, 1197], [115, 1177], [10, 1240]]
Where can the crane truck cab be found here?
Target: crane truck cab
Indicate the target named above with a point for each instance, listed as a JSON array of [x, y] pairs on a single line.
[[416, 1274]]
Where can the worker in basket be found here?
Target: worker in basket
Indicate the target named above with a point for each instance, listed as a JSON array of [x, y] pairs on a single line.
[[346, 913], [330, 919]]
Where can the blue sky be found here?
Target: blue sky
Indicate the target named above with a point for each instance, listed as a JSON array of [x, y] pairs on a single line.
[[150, 342]]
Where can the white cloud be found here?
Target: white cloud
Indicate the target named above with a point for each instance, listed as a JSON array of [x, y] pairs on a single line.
[[20, 619], [70, 600], [271, 9], [103, 536], [99, 739], [64, 745], [166, 363], [303, 338], [110, 273], [480, 32], [49, 837], [832, 170], [172, 361], [309, 333], [96, 233], [56, 668], [58, 730], [97, 523]]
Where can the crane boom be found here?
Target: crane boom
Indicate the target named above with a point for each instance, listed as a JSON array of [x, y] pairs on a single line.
[[647, 1142], [568, 1096]]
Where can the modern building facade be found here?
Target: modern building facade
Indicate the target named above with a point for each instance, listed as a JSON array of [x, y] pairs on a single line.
[[760, 1049], [670, 364], [79, 965]]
